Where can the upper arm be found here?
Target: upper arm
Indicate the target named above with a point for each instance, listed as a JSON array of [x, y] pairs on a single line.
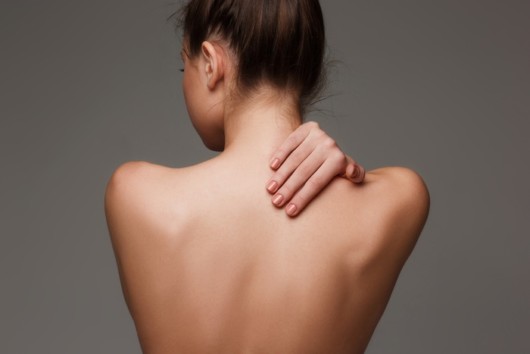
[[135, 208], [138, 217], [408, 205], [121, 198], [413, 200], [129, 209]]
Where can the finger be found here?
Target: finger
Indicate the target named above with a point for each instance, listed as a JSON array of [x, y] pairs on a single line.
[[353, 171], [302, 152], [359, 174], [304, 172], [314, 185], [349, 169], [291, 143]]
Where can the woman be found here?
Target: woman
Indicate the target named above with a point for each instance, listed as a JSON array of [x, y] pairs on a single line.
[[206, 265]]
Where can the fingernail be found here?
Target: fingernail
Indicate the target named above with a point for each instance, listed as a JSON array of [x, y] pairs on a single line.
[[278, 200], [355, 174], [291, 209], [275, 163], [350, 170], [358, 176], [272, 186]]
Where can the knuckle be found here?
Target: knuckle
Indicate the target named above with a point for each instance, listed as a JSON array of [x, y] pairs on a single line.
[[301, 199], [316, 183], [305, 170], [299, 156], [340, 159], [329, 143], [279, 177], [286, 191], [292, 139], [319, 133], [313, 125]]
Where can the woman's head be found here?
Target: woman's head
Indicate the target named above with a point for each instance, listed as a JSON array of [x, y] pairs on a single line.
[[249, 49], [279, 44]]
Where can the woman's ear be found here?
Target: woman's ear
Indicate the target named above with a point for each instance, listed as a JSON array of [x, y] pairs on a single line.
[[213, 64]]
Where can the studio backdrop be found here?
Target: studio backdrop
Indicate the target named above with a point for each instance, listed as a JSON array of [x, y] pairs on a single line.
[[442, 87]]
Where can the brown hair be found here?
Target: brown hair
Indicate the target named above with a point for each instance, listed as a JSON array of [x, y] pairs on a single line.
[[278, 42]]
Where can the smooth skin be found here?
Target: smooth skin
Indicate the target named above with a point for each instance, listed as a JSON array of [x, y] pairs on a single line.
[[305, 163], [208, 266]]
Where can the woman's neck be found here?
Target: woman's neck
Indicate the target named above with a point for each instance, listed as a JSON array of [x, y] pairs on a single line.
[[258, 128]]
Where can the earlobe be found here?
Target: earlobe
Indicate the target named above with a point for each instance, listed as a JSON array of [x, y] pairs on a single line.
[[214, 64]]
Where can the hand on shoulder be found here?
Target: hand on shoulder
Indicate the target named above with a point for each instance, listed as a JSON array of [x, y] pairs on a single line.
[[306, 162]]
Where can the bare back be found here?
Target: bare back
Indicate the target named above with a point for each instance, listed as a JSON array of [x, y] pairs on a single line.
[[208, 265]]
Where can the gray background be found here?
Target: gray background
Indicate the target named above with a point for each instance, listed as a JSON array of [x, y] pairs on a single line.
[[439, 86]]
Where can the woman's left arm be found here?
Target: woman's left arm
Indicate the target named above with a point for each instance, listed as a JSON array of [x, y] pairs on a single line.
[[304, 165]]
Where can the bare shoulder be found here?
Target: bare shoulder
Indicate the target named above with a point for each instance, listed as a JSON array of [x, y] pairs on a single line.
[[133, 169], [132, 180], [403, 202], [387, 188], [135, 199], [384, 215], [140, 221], [403, 187]]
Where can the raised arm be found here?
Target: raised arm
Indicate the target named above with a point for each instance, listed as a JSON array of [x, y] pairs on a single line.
[[304, 165]]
